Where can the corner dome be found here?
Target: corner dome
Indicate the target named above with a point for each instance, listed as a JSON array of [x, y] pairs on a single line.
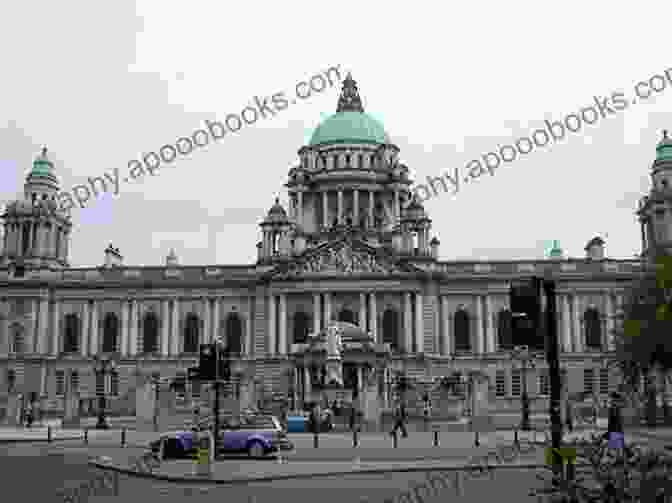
[[350, 124], [42, 165], [664, 148]]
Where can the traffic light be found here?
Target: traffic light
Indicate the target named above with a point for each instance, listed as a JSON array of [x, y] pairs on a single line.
[[525, 302], [207, 362]]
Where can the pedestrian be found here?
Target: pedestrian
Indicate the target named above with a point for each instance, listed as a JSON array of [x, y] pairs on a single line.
[[399, 420], [568, 415]]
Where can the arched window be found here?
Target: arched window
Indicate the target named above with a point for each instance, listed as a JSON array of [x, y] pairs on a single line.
[[191, 326], [17, 345], [71, 334], [348, 316], [591, 319], [505, 330], [391, 328], [462, 335], [234, 333], [150, 333], [110, 330], [301, 327]]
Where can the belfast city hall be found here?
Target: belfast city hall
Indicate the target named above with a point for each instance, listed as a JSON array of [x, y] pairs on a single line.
[[351, 254]]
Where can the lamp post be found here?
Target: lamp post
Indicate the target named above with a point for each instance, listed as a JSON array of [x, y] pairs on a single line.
[[526, 359], [102, 367], [156, 381]]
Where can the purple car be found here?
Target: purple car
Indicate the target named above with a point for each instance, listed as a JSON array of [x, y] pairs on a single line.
[[256, 435]]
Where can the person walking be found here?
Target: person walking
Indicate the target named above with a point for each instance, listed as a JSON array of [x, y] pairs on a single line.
[[399, 420]]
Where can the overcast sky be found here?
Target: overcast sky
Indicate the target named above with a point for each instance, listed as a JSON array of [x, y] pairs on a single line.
[[101, 83]]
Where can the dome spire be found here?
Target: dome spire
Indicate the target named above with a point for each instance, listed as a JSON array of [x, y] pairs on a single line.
[[349, 101]]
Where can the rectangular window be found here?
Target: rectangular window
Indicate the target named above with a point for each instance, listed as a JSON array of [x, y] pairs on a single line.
[[500, 383], [74, 381], [544, 383], [60, 383], [114, 383], [604, 381], [588, 381], [100, 384], [516, 382]]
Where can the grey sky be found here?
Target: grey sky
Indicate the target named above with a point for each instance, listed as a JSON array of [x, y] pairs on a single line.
[[101, 85]]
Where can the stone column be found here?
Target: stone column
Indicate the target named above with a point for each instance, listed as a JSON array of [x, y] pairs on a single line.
[[447, 350], [306, 382], [578, 335], [215, 321], [610, 322], [340, 207], [420, 342], [566, 324], [165, 327], [490, 326], [56, 328], [299, 216], [360, 378], [408, 323], [43, 325], [316, 312], [283, 324], [397, 207], [373, 317], [249, 343], [30, 334], [479, 325], [94, 346], [85, 329], [206, 321], [271, 325], [325, 208], [362, 311], [124, 327], [327, 309], [355, 209], [175, 328], [133, 339], [371, 207]]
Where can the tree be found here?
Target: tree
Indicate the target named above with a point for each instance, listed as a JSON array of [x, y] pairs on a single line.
[[643, 346]]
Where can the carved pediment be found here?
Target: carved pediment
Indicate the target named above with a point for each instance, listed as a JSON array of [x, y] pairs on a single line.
[[340, 259]]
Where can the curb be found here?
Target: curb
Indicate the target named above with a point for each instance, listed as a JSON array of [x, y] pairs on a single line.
[[37, 440]]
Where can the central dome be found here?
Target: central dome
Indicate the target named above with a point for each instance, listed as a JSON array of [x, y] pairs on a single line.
[[350, 124], [350, 127]]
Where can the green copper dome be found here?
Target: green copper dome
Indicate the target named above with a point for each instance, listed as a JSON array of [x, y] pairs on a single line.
[[350, 124], [42, 165], [349, 127], [664, 148]]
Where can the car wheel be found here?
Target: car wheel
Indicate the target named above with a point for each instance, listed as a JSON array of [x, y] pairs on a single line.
[[256, 450]]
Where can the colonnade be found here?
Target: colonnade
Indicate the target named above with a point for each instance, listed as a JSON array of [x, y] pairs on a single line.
[[42, 239]]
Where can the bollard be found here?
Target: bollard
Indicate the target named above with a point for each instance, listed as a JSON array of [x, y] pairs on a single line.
[[123, 437], [316, 442], [477, 441], [49, 439], [436, 438], [395, 439], [86, 435], [355, 438]]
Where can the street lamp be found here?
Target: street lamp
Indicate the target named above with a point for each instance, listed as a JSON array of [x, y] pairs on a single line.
[[156, 381], [102, 367], [526, 359]]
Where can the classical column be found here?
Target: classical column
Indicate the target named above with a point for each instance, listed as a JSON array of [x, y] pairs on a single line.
[[420, 342], [610, 322], [490, 326], [43, 324], [316, 312], [479, 325], [283, 324], [133, 332], [299, 216], [360, 378], [445, 315], [215, 321], [362, 311], [207, 313], [306, 382], [327, 309], [94, 346], [124, 326], [566, 324], [355, 209], [371, 207], [31, 337], [85, 329], [408, 323], [165, 327], [271, 325], [175, 328], [373, 317], [396, 207], [340, 207], [56, 328], [325, 208], [576, 319], [249, 344]]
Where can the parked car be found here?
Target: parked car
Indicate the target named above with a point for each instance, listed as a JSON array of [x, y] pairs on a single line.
[[257, 435]]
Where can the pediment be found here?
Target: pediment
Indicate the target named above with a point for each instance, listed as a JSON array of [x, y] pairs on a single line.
[[342, 258]]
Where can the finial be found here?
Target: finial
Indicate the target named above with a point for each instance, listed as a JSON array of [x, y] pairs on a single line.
[[277, 200], [664, 134], [44, 151]]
